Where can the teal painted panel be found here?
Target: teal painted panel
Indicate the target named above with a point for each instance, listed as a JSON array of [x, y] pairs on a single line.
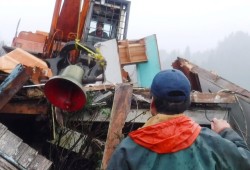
[[146, 71]]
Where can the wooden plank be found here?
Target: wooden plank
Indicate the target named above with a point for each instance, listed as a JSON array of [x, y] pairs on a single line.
[[120, 110], [25, 155], [9, 61], [3, 129], [9, 143], [20, 151], [5, 165], [25, 107], [220, 97], [17, 155], [131, 52], [40, 163], [211, 80], [99, 87], [13, 83]]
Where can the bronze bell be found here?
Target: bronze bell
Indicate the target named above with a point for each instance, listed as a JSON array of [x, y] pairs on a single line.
[[65, 91]]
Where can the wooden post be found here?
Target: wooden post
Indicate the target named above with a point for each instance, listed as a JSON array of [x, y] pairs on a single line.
[[120, 110]]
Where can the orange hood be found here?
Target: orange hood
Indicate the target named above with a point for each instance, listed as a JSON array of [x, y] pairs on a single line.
[[168, 136]]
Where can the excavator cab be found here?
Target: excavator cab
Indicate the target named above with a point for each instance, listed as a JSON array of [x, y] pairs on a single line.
[[70, 39], [113, 15], [75, 20]]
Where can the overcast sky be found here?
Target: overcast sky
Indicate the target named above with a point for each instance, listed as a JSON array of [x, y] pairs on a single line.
[[199, 24]]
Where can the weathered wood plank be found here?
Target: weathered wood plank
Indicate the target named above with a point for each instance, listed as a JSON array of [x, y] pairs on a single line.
[[120, 110], [26, 155], [5, 165], [28, 107], [40, 163], [99, 87], [9, 143], [18, 155], [20, 151], [220, 97], [3, 129], [13, 83]]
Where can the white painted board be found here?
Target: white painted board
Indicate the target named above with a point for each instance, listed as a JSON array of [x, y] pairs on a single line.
[[109, 49]]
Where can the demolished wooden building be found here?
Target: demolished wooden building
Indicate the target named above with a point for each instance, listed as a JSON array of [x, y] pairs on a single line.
[[87, 137]]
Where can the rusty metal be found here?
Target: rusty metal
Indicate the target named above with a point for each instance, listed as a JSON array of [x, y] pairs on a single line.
[[31, 42], [64, 28], [82, 19]]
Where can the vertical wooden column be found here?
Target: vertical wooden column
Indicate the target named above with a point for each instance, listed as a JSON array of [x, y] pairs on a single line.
[[120, 110]]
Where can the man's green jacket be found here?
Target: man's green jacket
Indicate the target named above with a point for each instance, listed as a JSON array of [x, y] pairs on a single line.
[[165, 146]]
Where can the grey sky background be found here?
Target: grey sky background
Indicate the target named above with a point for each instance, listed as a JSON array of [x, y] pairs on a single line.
[[199, 24], [178, 24]]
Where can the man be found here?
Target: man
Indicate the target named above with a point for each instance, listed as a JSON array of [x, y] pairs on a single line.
[[99, 31], [171, 140]]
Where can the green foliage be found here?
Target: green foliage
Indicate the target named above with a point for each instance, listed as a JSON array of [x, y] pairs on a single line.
[[80, 144], [90, 108], [106, 112]]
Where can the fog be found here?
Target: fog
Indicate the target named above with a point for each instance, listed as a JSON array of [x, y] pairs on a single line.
[[230, 59], [213, 34]]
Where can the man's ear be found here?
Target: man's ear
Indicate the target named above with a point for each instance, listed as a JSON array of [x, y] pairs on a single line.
[[153, 108]]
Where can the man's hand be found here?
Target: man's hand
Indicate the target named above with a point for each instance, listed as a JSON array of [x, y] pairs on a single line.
[[218, 125]]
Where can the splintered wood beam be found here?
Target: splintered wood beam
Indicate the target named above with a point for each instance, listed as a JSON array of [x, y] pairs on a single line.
[[28, 107], [119, 112], [216, 98], [7, 165], [203, 80], [13, 83]]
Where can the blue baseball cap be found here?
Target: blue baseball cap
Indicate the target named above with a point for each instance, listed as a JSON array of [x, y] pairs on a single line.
[[171, 85]]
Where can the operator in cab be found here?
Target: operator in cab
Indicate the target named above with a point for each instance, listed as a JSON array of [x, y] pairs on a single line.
[[99, 31]]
